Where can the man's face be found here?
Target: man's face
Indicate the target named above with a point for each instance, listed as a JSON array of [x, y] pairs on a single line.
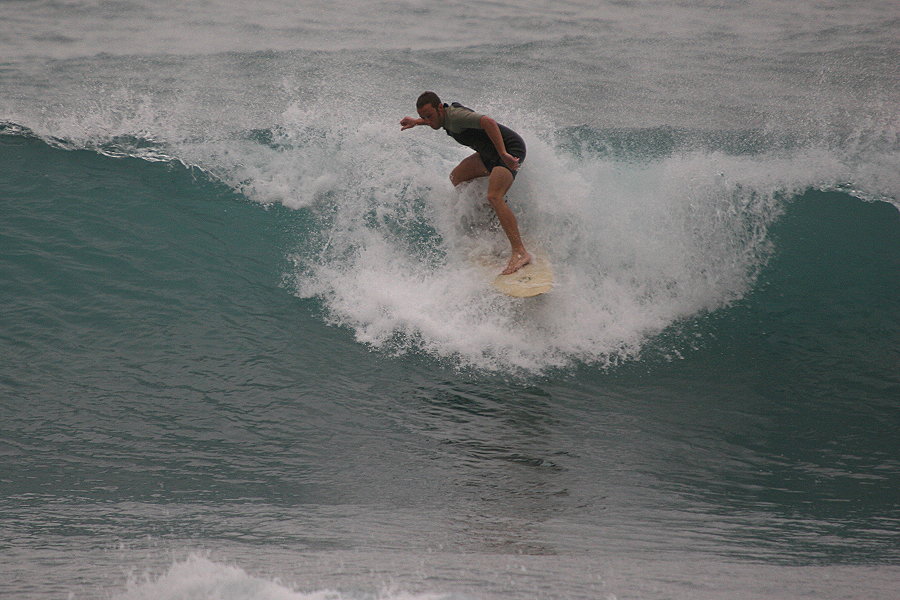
[[433, 116]]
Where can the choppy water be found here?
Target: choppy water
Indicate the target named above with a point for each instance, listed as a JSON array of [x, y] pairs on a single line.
[[245, 353]]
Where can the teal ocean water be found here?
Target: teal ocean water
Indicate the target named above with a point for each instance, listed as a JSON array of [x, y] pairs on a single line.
[[246, 354]]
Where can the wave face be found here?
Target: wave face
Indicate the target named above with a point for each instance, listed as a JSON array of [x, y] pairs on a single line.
[[639, 243]]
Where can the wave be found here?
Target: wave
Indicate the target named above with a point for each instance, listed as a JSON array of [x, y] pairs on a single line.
[[197, 577], [645, 228]]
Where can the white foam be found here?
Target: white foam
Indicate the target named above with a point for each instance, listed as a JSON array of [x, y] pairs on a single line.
[[635, 248], [199, 578]]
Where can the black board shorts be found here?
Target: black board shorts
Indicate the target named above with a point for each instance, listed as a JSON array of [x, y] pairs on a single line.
[[515, 145]]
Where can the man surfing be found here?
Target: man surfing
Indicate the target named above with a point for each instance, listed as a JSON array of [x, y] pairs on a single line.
[[499, 152]]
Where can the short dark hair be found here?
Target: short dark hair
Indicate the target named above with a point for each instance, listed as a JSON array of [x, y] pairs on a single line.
[[428, 98]]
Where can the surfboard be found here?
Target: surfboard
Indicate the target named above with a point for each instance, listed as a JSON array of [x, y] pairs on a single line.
[[533, 279]]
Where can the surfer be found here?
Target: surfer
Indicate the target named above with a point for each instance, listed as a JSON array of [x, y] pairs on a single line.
[[499, 152]]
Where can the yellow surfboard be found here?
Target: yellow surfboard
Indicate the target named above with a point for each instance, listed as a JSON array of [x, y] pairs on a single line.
[[533, 279]]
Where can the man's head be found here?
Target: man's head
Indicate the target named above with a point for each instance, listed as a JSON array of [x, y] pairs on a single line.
[[430, 108]]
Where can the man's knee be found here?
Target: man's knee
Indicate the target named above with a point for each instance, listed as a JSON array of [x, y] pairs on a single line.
[[495, 199], [500, 182], [459, 175]]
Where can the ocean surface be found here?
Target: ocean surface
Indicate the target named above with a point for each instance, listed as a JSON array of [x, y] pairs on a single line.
[[245, 353]]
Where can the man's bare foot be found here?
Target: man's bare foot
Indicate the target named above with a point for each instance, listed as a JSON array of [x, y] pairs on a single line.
[[516, 262]]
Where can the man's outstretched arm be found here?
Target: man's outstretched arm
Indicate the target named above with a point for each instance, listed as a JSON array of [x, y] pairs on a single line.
[[410, 122]]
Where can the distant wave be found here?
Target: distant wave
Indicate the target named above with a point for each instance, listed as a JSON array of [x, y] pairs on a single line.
[[199, 577]]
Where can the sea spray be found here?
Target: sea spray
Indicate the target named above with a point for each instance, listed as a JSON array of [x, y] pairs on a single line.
[[636, 246]]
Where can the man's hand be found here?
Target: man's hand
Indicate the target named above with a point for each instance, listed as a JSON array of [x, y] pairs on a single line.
[[409, 123], [510, 161]]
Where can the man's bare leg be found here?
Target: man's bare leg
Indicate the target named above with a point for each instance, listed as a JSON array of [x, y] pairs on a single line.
[[499, 183], [468, 169]]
